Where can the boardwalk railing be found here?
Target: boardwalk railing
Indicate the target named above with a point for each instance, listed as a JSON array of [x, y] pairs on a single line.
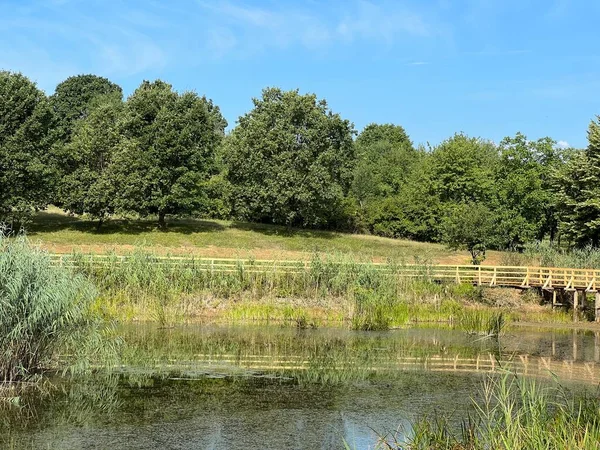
[[548, 278]]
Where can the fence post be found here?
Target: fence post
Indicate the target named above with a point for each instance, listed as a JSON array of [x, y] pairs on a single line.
[[478, 279]]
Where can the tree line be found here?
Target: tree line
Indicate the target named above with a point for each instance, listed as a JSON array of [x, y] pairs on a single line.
[[290, 160]]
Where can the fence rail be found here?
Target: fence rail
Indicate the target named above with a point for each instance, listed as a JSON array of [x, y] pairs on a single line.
[[507, 276]]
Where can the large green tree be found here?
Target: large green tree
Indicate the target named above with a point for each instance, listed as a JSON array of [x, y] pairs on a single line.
[[290, 160], [385, 156], [577, 188], [26, 173], [464, 168], [524, 201], [89, 186], [72, 100], [167, 155], [392, 184]]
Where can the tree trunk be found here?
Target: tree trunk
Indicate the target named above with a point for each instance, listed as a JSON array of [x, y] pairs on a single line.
[[162, 224], [99, 224]]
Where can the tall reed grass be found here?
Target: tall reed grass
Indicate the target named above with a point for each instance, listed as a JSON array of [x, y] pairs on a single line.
[[367, 296], [45, 319], [546, 255], [514, 413]]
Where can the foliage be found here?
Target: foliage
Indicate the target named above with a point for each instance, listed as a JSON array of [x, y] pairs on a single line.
[[26, 171], [375, 133], [514, 414], [88, 187], [44, 313], [289, 160], [167, 153], [469, 226], [73, 99], [463, 169], [577, 187], [524, 201]]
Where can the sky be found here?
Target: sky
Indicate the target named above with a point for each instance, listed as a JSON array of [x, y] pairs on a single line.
[[488, 68]]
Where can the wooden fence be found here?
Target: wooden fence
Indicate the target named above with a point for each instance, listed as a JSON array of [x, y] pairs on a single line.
[[507, 276]]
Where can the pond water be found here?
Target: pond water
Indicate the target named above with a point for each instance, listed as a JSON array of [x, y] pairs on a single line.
[[267, 387]]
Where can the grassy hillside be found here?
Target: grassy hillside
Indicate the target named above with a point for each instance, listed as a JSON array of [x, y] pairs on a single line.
[[61, 233]]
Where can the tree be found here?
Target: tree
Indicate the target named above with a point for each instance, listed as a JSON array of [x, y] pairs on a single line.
[[26, 121], [469, 226], [72, 99], [385, 156], [577, 188], [385, 161], [413, 212], [390, 133], [89, 187], [168, 151], [523, 199], [290, 160], [464, 168]]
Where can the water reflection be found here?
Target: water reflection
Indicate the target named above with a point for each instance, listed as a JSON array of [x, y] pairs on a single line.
[[273, 388]]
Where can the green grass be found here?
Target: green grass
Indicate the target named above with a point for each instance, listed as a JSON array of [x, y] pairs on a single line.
[[56, 230]]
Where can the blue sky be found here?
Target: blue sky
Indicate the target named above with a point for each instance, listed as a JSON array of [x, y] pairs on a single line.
[[489, 68]]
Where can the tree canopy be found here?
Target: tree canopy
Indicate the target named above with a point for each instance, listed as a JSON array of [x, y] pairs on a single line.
[[73, 98], [166, 156], [577, 188], [26, 169], [290, 160], [89, 186]]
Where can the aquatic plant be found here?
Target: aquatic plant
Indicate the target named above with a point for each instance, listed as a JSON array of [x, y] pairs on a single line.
[[44, 313], [515, 414], [482, 322]]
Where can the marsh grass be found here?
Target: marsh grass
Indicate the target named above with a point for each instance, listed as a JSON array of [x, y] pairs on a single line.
[[514, 413], [337, 289], [45, 317], [487, 323], [546, 255]]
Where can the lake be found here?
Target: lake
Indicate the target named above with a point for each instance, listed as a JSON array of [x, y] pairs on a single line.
[[271, 387]]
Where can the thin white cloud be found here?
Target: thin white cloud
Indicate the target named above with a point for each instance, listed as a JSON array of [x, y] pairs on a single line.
[[562, 144], [417, 63], [372, 21], [221, 41], [70, 41], [258, 28]]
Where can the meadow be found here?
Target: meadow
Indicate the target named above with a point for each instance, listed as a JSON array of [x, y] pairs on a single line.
[[62, 233]]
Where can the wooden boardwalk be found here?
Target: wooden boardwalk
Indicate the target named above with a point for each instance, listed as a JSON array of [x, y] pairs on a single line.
[[556, 280]]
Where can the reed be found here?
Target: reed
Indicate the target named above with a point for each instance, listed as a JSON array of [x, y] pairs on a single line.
[[368, 297], [45, 320], [544, 254], [514, 414]]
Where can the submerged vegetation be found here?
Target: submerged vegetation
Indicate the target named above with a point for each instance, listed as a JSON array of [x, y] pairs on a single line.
[[45, 314]]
